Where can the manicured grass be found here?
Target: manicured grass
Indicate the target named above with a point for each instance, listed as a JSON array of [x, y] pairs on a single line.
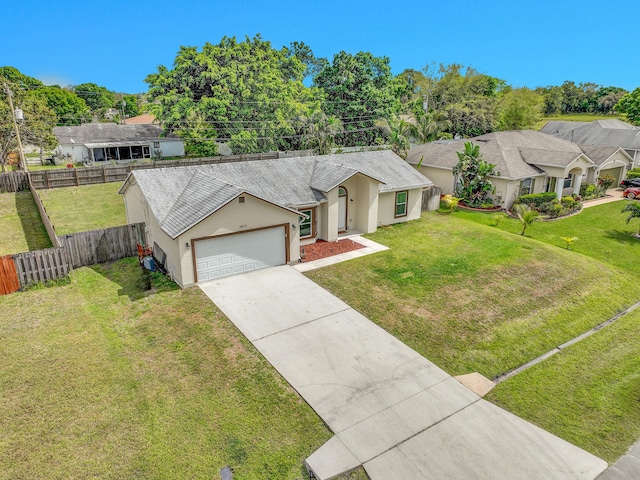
[[576, 118], [90, 207], [21, 228], [602, 232], [103, 378], [588, 394], [471, 297]]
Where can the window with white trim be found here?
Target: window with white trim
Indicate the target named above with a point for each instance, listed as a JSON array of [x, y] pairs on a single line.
[[306, 223], [568, 182], [526, 186], [401, 203]]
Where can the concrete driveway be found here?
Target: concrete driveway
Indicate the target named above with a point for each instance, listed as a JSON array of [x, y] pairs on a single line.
[[391, 410]]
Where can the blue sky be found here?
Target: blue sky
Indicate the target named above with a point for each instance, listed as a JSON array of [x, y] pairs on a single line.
[[116, 43]]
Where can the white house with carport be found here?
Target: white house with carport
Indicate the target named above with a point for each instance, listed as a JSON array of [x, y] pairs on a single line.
[[528, 162], [217, 220], [102, 142]]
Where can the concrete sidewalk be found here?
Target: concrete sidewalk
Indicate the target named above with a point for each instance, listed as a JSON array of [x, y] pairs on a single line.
[[391, 410]]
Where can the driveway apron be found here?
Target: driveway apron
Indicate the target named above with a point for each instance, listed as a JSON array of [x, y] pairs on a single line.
[[391, 410]]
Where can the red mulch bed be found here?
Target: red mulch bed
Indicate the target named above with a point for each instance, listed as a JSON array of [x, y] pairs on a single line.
[[322, 249]]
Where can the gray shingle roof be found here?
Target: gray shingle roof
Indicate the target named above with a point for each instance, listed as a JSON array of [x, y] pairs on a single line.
[[107, 132], [599, 154], [504, 149], [611, 133], [181, 197]]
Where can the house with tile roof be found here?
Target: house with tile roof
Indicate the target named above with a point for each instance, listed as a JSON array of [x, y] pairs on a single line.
[[223, 219], [604, 133], [103, 142], [528, 162]]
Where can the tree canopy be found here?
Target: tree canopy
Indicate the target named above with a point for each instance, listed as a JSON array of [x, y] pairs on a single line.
[[98, 99], [358, 89], [629, 105], [234, 87], [69, 108]]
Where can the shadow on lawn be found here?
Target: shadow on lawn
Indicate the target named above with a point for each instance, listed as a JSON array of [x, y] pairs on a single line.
[[623, 236], [35, 233], [135, 281]]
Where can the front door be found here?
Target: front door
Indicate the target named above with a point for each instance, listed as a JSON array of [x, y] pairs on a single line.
[[342, 209]]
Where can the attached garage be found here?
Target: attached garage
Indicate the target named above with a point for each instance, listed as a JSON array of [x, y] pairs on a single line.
[[613, 172], [240, 252]]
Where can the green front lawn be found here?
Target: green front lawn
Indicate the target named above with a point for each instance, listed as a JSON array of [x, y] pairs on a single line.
[[103, 378], [602, 232], [588, 394], [21, 228], [90, 207], [471, 297]]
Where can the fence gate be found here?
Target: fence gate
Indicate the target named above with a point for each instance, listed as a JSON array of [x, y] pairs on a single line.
[[9, 282]]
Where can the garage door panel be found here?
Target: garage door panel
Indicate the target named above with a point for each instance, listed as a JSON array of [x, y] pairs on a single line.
[[239, 253]]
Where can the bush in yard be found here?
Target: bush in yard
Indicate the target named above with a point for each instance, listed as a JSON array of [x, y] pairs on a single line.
[[536, 200], [606, 182], [633, 173], [568, 202], [473, 173]]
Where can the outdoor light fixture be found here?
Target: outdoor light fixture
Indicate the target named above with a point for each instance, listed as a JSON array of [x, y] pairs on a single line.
[[187, 245], [293, 226]]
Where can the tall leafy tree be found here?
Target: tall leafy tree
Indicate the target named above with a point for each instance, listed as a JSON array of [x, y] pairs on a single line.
[[35, 129], [397, 132], [19, 79], [98, 99], [359, 89], [520, 108], [69, 108], [629, 105], [235, 87], [473, 172], [467, 98]]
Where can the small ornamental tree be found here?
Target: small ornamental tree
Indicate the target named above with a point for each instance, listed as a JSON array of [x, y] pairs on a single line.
[[473, 174], [633, 208]]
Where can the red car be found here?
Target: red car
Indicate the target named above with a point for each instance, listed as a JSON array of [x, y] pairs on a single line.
[[631, 193]]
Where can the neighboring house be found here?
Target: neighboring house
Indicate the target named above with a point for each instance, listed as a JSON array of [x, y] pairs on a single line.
[[218, 220], [612, 161], [99, 142], [528, 162], [606, 133]]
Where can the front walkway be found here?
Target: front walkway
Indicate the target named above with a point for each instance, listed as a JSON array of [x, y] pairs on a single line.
[[391, 410], [613, 195]]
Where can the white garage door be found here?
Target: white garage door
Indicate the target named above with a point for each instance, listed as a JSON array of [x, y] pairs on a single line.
[[243, 252]]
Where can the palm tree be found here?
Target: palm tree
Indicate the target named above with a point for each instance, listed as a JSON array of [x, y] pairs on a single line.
[[320, 132], [634, 211], [526, 215], [397, 132], [427, 126]]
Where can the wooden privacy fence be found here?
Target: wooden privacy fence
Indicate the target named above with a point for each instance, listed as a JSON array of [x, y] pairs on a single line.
[[14, 182], [431, 199], [105, 245], [9, 282], [41, 265]]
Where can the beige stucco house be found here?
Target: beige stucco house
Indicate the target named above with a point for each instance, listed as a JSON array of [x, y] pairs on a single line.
[[528, 162], [218, 220]]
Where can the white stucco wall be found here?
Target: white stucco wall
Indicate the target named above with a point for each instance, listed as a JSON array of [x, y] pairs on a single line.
[[387, 207], [78, 152], [440, 177], [362, 203]]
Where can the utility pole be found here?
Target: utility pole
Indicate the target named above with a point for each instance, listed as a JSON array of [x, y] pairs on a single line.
[[22, 164]]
